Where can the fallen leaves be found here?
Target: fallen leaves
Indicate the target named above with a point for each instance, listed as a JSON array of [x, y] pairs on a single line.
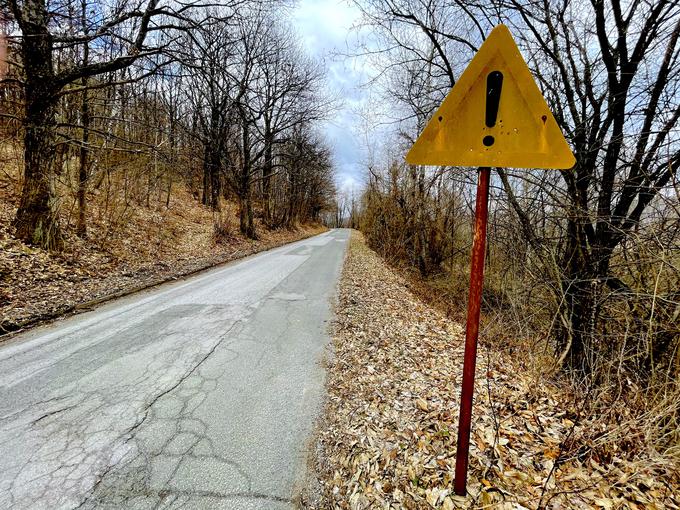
[[389, 434]]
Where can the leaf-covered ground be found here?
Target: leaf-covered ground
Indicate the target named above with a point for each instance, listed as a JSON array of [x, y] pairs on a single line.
[[389, 433], [138, 247]]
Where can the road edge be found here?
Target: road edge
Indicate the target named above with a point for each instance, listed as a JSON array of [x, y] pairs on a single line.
[[309, 493]]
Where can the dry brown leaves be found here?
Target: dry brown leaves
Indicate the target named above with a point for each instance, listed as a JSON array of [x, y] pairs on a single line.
[[389, 435]]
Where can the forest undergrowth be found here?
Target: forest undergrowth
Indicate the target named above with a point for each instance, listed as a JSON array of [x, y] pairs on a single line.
[[641, 421]]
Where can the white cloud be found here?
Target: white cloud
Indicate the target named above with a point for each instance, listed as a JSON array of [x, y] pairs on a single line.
[[347, 184], [324, 26]]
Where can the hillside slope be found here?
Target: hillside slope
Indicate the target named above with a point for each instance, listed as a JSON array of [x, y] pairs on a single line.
[[129, 245]]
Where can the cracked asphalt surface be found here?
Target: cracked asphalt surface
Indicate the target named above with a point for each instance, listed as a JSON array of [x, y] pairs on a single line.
[[197, 394]]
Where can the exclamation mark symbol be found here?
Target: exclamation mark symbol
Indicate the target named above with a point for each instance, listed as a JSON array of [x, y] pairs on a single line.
[[494, 84]]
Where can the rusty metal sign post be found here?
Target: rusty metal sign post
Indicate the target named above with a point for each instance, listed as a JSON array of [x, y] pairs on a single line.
[[472, 330], [496, 116]]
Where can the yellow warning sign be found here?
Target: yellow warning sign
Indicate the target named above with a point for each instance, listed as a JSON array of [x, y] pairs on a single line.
[[495, 115]]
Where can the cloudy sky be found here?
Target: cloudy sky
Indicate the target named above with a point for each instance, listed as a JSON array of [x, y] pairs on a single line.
[[324, 26]]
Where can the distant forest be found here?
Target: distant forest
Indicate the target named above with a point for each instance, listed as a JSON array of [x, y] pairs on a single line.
[[125, 100]]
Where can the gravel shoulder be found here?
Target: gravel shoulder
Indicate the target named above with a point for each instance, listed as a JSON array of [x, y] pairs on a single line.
[[387, 439]]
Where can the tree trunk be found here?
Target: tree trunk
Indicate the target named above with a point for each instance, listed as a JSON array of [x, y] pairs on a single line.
[[246, 223], [575, 340], [584, 274], [205, 200], [83, 172], [211, 176], [215, 184], [36, 220], [267, 170], [212, 162]]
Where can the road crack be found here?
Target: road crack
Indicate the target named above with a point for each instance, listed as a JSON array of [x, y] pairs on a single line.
[[51, 413], [131, 432]]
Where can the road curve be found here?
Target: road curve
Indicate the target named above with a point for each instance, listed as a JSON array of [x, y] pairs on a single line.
[[197, 394]]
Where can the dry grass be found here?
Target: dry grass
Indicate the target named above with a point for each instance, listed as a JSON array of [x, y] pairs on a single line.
[[644, 419]]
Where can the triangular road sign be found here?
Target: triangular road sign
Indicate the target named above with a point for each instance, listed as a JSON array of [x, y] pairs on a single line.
[[495, 115]]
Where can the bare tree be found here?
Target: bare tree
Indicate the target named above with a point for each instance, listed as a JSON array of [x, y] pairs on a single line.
[[136, 31], [288, 96], [620, 119], [209, 53], [309, 187]]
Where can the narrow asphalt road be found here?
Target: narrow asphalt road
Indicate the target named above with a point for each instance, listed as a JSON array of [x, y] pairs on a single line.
[[197, 394]]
